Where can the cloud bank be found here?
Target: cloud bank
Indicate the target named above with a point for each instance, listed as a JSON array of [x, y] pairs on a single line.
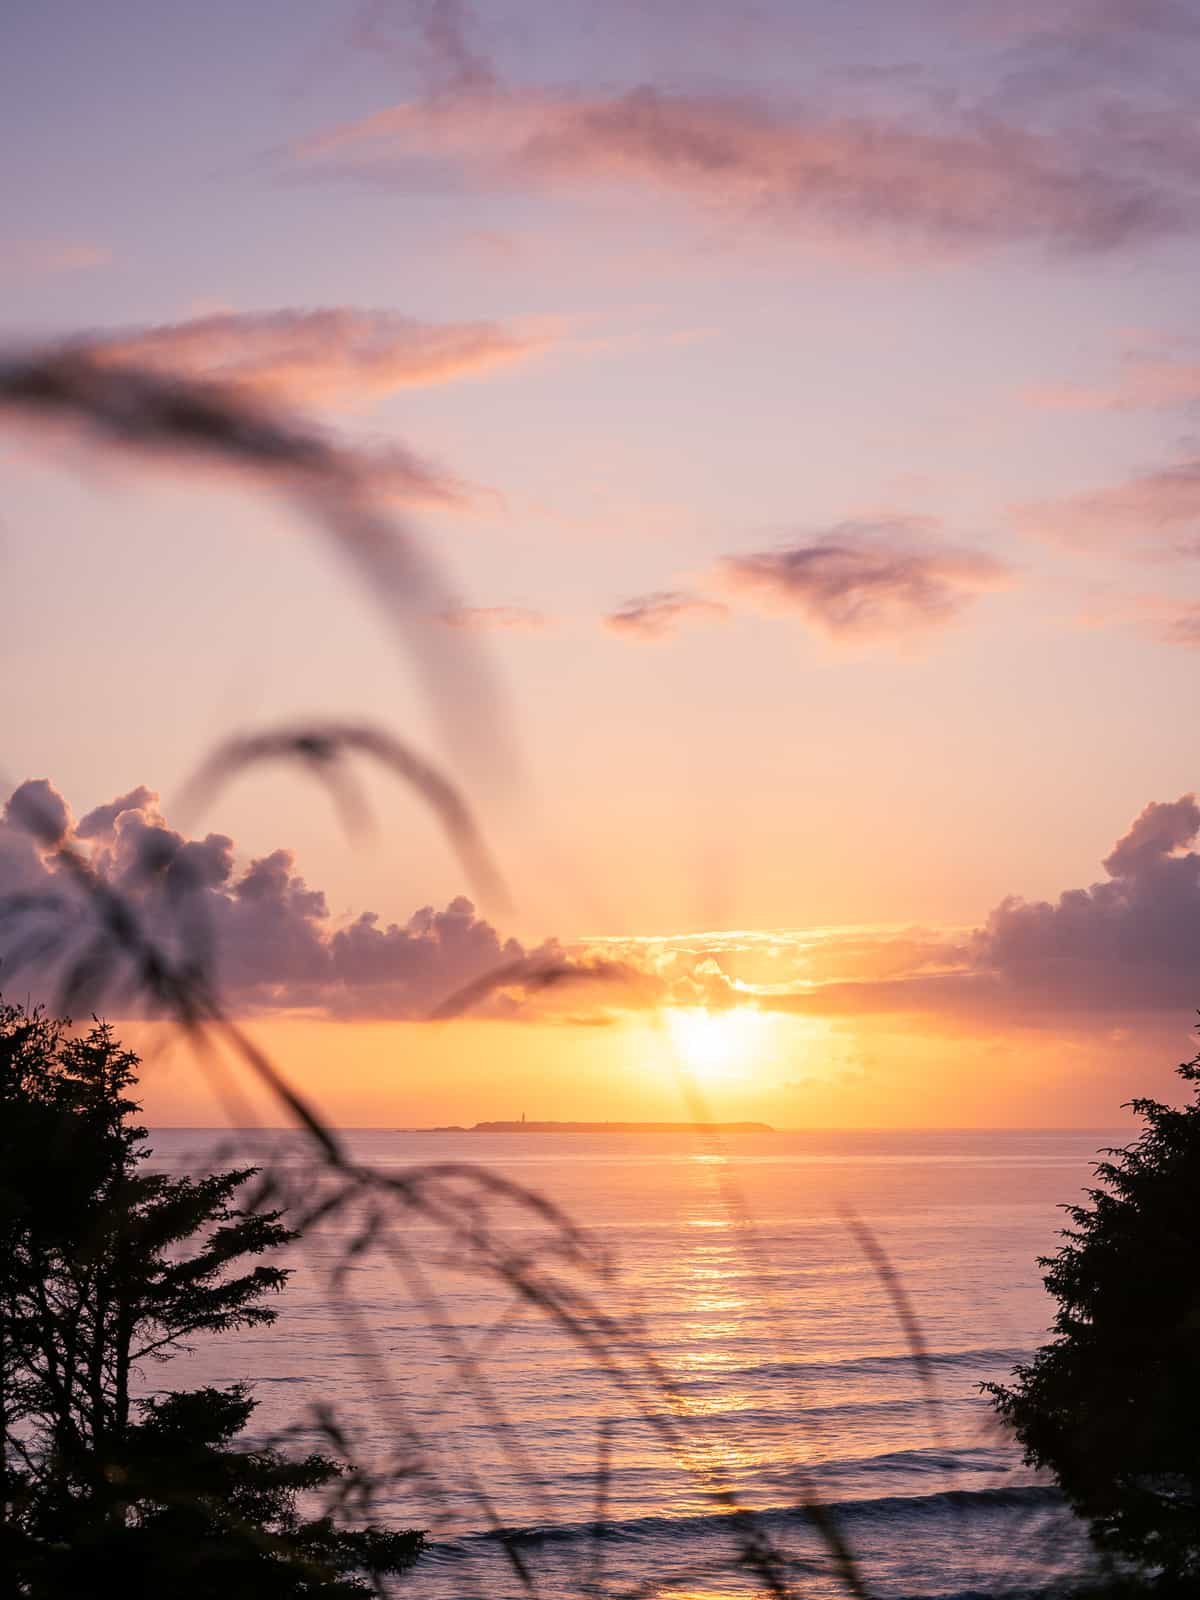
[[276, 946], [1128, 944]]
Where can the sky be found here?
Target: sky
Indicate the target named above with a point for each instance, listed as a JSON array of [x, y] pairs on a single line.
[[749, 456]]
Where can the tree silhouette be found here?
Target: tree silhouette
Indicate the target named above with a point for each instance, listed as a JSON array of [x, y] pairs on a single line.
[[1112, 1404], [105, 1269]]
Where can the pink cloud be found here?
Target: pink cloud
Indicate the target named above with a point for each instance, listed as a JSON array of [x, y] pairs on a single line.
[[1167, 618], [1154, 515], [961, 182], [1144, 382], [329, 356], [654, 616]]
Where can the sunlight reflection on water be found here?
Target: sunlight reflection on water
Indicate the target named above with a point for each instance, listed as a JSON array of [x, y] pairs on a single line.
[[778, 1340]]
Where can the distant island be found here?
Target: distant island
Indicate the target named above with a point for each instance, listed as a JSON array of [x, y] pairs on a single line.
[[606, 1127]]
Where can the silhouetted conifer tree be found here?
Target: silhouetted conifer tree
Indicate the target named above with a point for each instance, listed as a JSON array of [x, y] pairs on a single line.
[[106, 1268], [1112, 1404]]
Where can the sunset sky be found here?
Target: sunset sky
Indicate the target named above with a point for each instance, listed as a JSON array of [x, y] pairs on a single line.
[[797, 408]]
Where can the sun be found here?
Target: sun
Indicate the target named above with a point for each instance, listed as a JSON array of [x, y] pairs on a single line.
[[715, 1044]]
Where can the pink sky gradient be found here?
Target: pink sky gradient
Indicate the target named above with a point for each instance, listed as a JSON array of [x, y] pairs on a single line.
[[793, 420]]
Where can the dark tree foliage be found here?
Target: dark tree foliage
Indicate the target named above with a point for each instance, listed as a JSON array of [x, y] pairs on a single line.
[[192, 1514], [1112, 1404], [106, 1269]]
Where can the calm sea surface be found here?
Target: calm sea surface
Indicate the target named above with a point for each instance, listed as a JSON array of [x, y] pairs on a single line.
[[732, 1347]]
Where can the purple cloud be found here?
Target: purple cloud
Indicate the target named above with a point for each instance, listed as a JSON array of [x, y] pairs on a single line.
[[37, 808], [1161, 829], [868, 580], [275, 945], [101, 820], [1131, 942]]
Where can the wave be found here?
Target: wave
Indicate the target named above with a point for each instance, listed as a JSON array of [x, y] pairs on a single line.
[[839, 1366], [787, 1416], [920, 1462], [633, 1530], [905, 1361]]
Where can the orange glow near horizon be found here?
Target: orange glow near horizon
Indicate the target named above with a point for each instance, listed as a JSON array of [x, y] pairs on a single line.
[[746, 1064], [838, 798]]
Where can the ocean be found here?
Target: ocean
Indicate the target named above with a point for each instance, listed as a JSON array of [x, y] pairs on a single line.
[[711, 1388]]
